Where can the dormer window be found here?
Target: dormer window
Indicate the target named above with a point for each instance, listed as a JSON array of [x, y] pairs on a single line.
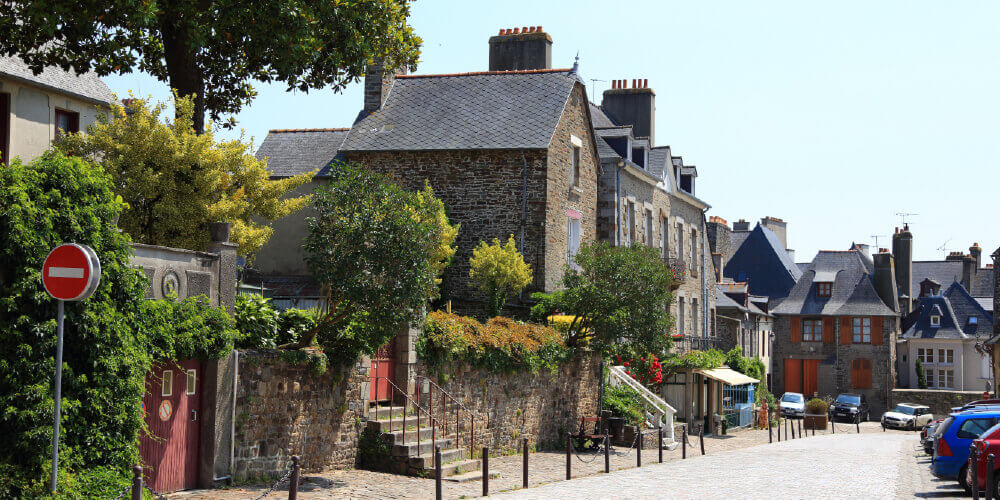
[[824, 289], [935, 320]]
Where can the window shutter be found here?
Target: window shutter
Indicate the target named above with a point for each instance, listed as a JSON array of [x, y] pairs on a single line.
[[845, 330], [796, 329], [876, 330], [829, 325], [868, 374]]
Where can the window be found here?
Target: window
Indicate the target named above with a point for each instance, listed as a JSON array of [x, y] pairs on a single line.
[[4, 127], [975, 427], [575, 167], [861, 330], [573, 241], [649, 228], [664, 239], [167, 383], [861, 373], [192, 382], [824, 289], [680, 316], [946, 356], [67, 121], [935, 320], [694, 246], [812, 330], [694, 317], [945, 379], [680, 241], [929, 375], [926, 356]]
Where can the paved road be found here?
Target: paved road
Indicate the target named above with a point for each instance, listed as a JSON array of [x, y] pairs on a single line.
[[867, 465]]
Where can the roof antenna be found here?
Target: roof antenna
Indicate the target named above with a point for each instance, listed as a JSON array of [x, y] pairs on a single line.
[[594, 87], [877, 236], [904, 216]]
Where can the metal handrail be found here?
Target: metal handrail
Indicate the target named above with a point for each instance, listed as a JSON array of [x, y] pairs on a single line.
[[434, 422], [649, 398], [457, 404]]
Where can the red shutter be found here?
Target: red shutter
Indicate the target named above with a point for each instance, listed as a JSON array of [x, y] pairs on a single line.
[[829, 325], [861, 373], [796, 329], [876, 330], [845, 330], [810, 377]]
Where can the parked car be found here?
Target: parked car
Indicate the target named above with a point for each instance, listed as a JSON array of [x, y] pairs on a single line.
[[976, 404], [850, 407], [927, 435], [953, 439], [907, 416], [988, 443], [793, 405]]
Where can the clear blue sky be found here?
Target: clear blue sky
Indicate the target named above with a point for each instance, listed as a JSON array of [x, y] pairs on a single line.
[[832, 116]]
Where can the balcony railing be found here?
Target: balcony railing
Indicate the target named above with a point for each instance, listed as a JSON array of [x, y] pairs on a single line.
[[680, 269], [704, 343]]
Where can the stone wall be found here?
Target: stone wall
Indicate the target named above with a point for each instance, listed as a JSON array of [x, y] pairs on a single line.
[[941, 402], [699, 280], [283, 410], [539, 406]]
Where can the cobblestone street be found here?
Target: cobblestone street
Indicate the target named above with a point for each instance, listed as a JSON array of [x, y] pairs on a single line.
[[889, 463]]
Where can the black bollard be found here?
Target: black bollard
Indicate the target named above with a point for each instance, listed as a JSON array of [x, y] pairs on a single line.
[[568, 453], [786, 428], [293, 482], [800, 426], [833, 425], [991, 485], [793, 429], [779, 428], [770, 432], [524, 466], [607, 454], [437, 475], [638, 446], [857, 423], [486, 471], [974, 460], [684, 441], [137, 483], [701, 438], [659, 435]]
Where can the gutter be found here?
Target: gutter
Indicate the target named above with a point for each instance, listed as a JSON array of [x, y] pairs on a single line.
[[232, 423]]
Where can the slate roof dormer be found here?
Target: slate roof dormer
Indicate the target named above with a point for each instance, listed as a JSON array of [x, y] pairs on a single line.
[[853, 290], [961, 316]]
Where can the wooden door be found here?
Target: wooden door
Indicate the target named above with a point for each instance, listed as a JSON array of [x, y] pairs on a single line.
[[383, 370], [810, 377], [172, 408], [793, 375]]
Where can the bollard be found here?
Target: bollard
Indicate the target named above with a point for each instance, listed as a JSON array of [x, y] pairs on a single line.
[[659, 433], [524, 465], [293, 482], [991, 486], [833, 425], [786, 428], [568, 453], [779, 428], [770, 432], [607, 454], [684, 441], [701, 438], [974, 459], [137, 483], [638, 447], [800, 426], [437, 476], [486, 471], [857, 423], [793, 430]]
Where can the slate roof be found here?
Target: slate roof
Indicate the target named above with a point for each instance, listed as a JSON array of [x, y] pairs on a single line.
[[853, 291], [291, 152], [600, 119], [659, 158], [965, 307], [986, 303], [87, 86], [957, 309], [947, 271], [724, 301], [764, 264], [486, 110]]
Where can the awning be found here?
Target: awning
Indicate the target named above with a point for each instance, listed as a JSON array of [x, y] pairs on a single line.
[[728, 376]]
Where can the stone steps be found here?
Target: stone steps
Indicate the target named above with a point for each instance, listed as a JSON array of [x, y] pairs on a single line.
[[449, 469], [411, 448], [396, 436], [426, 460], [466, 477]]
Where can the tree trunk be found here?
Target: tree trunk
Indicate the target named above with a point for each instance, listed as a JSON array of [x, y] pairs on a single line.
[[183, 73]]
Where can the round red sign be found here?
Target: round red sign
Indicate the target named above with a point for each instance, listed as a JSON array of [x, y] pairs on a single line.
[[71, 272]]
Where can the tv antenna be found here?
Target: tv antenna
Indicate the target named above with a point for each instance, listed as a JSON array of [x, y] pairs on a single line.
[[593, 87], [876, 237], [944, 247], [904, 216]]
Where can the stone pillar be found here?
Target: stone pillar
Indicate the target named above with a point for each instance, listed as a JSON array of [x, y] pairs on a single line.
[[216, 420], [227, 263], [406, 357]]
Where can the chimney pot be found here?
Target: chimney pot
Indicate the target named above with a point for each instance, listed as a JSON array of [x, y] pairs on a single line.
[[524, 29], [645, 83], [516, 31], [539, 28]]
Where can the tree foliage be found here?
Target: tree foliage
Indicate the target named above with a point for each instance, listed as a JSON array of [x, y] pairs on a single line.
[[213, 49], [431, 210], [371, 251], [921, 375], [620, 297], [175, 182], [499, 270]]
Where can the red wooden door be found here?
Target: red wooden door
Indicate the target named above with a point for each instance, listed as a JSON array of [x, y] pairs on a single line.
[[793, 375], [172, 407], [810, 377], [383, 368]]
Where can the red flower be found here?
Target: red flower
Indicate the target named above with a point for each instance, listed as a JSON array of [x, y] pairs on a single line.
[[626, 364]]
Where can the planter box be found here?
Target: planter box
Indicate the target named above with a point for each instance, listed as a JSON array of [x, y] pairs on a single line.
[[818, 423]]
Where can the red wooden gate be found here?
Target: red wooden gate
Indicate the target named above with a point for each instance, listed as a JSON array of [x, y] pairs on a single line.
[[172, 407], [383, 365]]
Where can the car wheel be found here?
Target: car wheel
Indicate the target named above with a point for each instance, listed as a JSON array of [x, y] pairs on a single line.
[[963, 480]]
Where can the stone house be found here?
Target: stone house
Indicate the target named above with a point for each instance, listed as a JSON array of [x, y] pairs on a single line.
[[742, 321], [34, 108], [837, 329], [646, 196], [946, 333]]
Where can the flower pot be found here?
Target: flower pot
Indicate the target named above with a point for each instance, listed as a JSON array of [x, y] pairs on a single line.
[[616, 426], [818, 423]]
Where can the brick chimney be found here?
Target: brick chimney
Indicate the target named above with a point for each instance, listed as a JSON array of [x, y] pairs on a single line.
[[885, 279], [968, 271], [902, 253], [520, 48], [976, 252], [377, 84], [741, 226], [635, 106], [778, 227]]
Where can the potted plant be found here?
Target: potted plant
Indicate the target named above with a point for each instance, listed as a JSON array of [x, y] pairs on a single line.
[[818, 409]]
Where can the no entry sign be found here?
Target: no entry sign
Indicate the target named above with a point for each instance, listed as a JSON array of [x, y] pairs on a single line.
[[71, 272]]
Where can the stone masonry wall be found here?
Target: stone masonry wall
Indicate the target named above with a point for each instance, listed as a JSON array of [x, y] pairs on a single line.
[[941, 402], [282, 410], [539, 406]]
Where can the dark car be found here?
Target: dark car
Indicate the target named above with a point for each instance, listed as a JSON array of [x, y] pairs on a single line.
[[850, 408]]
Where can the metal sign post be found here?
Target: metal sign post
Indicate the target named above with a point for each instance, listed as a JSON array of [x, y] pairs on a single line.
[[71, 273]]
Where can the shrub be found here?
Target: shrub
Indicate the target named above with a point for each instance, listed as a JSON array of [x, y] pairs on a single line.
[[712, 358], [293, 323], [257, 322], [187, 329], [498, 270], [501, 344], [646, 369], [624, 402], [816, 406]]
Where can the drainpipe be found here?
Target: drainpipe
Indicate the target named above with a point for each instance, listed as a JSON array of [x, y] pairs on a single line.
[[618, 201], [232, 422], [704, 269]]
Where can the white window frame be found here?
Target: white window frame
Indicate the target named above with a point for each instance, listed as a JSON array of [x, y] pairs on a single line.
[[935, 320], [191, 382], [925, 355], [945, 379], [946, 356], [167, 383], [573, 237], [574, 170]]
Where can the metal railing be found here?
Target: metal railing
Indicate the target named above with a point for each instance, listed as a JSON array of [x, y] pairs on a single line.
[[407, 400], [447, 399], [663, 412]]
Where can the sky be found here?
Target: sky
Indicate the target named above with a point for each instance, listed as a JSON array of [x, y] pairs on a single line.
[[834, 116]]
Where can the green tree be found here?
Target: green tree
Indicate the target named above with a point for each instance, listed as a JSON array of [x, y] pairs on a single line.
[[213, 49], [175, 181], [431, 210], [371, 251], [499, 271], [54, 200], [620, 297], [921, 375]]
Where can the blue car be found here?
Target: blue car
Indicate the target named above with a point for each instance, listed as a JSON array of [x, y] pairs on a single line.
[[954, 437]]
